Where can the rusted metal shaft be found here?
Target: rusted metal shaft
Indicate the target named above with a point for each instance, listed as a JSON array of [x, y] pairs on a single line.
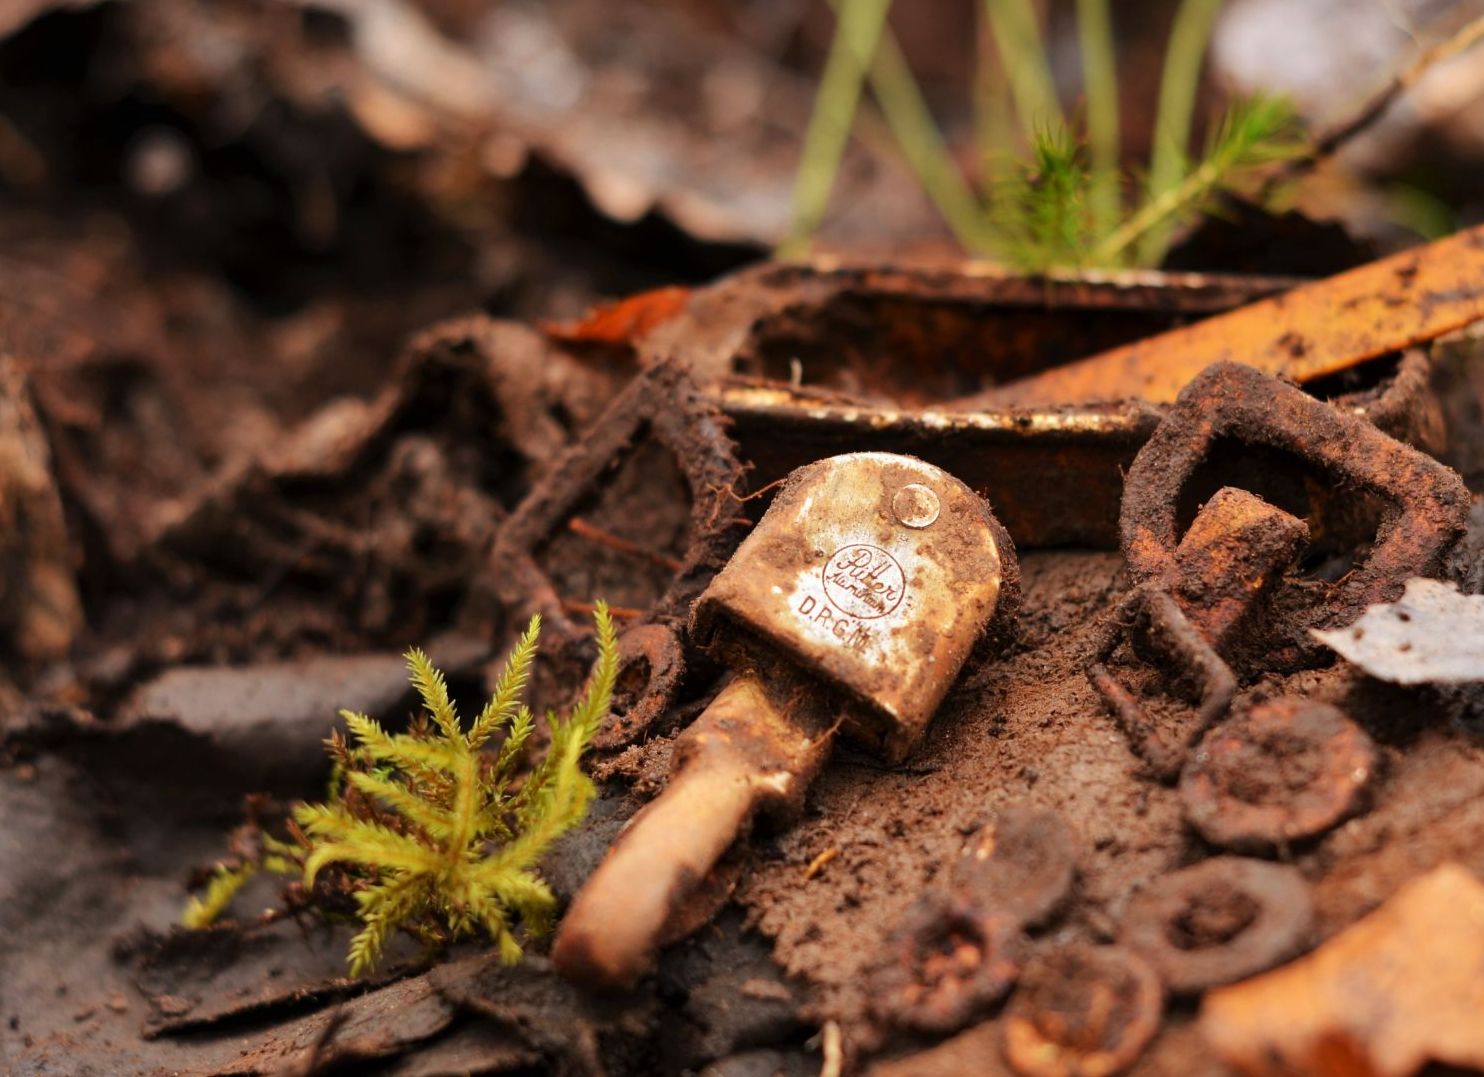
[[743, 754]]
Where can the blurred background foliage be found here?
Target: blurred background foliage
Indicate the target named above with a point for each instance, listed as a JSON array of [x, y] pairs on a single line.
[[525, 157], [1040, 189]]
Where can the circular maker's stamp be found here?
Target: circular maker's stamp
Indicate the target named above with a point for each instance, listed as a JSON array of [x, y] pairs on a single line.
[[863, 581]]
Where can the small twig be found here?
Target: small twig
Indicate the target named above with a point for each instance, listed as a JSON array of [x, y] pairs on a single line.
[[833, 1046], [618, 613], [818, 863], [1327, 144], [579, 526]]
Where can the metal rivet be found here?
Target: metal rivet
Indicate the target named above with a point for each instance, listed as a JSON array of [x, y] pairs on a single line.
[[915, 505]]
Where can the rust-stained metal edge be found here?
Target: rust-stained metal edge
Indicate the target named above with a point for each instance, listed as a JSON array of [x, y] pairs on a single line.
[[720, 321], [1008, 455], [1186, 290], [774, 400]]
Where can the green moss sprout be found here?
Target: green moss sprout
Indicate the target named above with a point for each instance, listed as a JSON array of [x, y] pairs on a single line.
[[428, 830]]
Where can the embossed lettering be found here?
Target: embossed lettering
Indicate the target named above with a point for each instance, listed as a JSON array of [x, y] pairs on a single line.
[[848, 630], [864, 580]]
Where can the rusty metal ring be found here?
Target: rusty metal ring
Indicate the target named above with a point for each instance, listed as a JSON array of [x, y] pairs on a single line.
[[946, 965], [651, 663], [1426, 504], [1288, 770], [1082, 1011], [1220, 921], [662, 402]]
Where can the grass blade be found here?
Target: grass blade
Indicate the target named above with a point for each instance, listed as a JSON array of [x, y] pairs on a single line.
[[911, 123], [1178, 85], [835, 104], [1017, 35], [1100, 86]]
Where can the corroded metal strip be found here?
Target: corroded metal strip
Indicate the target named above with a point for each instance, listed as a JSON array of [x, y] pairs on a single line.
[[1312, 331]]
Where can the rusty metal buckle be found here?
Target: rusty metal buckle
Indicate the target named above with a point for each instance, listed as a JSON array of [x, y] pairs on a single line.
[[663, 404], [1223, 593], [1424, 504]]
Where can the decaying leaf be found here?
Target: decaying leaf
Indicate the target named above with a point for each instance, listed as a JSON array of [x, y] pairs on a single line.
[[1432, 634], [1393, 992], [40, 612]]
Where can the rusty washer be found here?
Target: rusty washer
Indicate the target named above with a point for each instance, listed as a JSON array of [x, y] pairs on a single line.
[[1288, 770], [1220, 921], [1082, 1011], [946, 965]]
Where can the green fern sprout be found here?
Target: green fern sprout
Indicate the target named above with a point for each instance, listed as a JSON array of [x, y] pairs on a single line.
[[1047, 214], [1252, 132], [1043, 211], [429, 832]]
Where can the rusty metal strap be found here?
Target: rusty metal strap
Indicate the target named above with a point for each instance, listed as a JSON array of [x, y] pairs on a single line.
[[1312, 331]]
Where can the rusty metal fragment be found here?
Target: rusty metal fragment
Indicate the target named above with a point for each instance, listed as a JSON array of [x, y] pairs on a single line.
[[1288, 770], [945, 965], [1399, 990], [1308, 333], [1081, 1011], [882, 349], [920, 334], [1006, 452], [1237, 547], [1431, 635], [1422, 505], [1009, 450], [875, 573], [1219, 921], [813, 360]]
